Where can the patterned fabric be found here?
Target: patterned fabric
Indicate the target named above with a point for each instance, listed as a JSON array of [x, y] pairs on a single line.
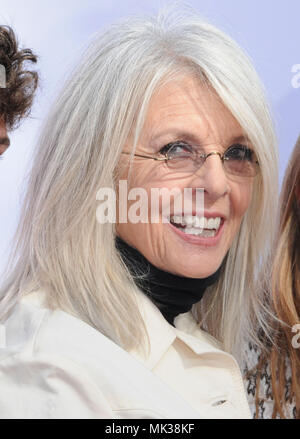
[[266, 404]]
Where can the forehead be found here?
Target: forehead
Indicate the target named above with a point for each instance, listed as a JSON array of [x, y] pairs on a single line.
[[186, 105]]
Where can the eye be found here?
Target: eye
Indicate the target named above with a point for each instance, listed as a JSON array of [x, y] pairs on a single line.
[[179, 149], [240, 153]]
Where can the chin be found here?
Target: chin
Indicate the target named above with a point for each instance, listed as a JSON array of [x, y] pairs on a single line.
[[196, 272]]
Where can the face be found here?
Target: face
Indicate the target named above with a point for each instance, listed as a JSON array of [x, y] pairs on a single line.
[[4, 140], [185, 110]]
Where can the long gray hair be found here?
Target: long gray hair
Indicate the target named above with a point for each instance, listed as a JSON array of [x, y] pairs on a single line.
[[63, 251]]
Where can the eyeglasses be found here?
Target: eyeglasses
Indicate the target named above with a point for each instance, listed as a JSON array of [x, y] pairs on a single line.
[[238, 160]]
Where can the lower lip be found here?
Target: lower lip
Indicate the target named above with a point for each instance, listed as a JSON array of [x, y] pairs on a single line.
[[200, 240]]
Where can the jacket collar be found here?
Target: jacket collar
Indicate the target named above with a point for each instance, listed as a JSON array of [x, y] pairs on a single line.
[[162, 335]]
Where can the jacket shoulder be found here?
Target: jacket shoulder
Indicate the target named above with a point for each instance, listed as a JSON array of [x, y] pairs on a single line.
[[55, 355]]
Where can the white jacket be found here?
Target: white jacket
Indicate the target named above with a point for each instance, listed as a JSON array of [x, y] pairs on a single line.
[[53, 365]]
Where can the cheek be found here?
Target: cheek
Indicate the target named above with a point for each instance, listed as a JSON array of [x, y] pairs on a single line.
[[133, 203]]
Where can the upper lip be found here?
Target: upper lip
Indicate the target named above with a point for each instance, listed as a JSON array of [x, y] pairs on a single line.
[[206, 214]]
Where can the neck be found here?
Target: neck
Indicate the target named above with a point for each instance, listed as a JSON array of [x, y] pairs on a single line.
[[172, 294]]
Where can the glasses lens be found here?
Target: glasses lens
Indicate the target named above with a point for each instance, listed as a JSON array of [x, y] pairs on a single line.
[[240, 160], [181, 157]]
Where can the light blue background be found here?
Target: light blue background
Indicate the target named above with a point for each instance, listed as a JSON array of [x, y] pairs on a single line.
[[269, 30]]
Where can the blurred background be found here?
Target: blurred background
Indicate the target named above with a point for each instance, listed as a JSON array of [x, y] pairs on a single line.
[[57, 30]]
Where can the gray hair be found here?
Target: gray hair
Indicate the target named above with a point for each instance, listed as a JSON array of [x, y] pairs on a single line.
[[60, 247]]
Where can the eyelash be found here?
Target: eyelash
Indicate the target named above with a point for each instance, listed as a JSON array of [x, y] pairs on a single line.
[[166, 148]]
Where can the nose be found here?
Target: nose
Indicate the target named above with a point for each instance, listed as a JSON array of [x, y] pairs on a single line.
[[212, 178]]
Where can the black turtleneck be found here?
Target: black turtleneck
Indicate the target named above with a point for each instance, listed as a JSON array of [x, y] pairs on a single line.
[[172, 294]]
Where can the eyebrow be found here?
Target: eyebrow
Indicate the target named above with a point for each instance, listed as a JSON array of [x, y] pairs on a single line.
[[4, 141], [185, 135], [240, 139]]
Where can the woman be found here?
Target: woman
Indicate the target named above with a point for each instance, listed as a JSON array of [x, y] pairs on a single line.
[[107, 331], [276, 383]]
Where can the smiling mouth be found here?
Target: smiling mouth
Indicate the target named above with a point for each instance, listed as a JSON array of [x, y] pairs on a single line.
[[197, 225]]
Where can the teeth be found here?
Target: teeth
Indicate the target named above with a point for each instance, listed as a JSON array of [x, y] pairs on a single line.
[[199, 222], [217, 223], [210, 224], [176, 219], [196, 222], [188, 220], [204, 233]]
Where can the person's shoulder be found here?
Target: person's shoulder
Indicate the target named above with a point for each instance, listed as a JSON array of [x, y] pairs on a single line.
[[58, 332], [255, 372], [36, 329], [38, 381], [55, 361]]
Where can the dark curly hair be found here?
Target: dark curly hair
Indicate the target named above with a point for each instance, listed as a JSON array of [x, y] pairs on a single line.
[[16, 99]]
